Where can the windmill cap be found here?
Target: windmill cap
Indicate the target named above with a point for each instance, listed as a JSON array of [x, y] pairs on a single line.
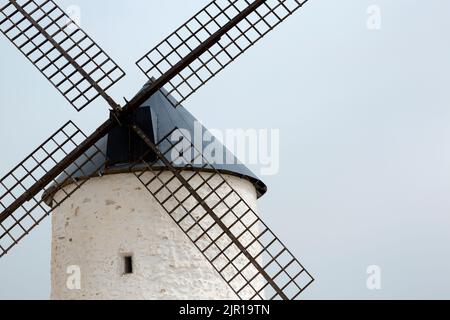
[[160, 118]]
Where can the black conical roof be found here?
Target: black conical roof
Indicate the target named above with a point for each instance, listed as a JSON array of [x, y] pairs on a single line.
[[161, 118]]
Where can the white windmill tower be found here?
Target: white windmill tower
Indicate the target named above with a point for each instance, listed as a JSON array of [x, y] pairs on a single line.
[[198, 235], [123, 241]]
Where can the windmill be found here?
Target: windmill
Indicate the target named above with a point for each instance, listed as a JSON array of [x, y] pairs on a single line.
[[211, 205]]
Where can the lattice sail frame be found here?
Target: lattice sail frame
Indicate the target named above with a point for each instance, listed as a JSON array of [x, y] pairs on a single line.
[[285, 277], [77, 67], [29, 171], [204, 24]]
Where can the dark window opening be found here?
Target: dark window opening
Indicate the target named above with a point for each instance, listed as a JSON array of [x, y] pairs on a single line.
[[128, 265], [125, 146]]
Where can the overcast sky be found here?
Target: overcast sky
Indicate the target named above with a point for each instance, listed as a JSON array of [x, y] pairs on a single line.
[[364, 119]]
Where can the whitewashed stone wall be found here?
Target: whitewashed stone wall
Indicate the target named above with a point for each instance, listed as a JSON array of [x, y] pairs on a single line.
[[114, 216]]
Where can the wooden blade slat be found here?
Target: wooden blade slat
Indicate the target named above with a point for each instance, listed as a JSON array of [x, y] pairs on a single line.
[[220, 223], [18, 217], [264, 17], [77, 67]]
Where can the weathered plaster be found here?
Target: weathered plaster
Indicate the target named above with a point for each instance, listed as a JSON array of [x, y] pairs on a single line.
[[113, 216]]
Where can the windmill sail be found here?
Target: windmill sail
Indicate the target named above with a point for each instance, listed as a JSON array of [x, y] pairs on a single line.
[[202, 202], [235, 26], [220, 223], [21, 213], [63, 53]]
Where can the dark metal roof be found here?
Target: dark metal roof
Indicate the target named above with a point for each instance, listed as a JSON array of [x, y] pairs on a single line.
[[164, 119]]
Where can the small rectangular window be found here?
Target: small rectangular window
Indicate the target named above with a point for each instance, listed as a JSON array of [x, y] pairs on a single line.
[[128, 265]]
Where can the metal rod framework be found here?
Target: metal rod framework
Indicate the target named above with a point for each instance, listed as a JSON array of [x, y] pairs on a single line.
[[219, 222], [205, 206], [78, 68], [30, 213], [232, 44]]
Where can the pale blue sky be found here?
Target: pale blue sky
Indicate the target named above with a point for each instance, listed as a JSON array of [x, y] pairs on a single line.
[[365, 135]]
